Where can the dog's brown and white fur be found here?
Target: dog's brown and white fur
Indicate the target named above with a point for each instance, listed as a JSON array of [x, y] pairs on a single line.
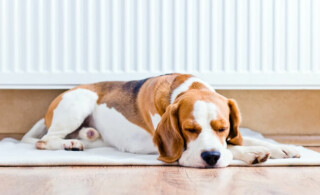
[[177, 115]]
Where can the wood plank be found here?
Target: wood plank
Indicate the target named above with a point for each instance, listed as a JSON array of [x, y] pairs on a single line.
[[317, 149], [303, 140], [159, 180], [267, 111], [12, 135]]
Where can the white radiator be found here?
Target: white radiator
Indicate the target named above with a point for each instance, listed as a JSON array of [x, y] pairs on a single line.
[[229, 43]]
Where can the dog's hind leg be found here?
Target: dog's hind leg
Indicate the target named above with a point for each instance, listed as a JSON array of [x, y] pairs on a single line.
[[89, 133], [89, 136], [74, 107]]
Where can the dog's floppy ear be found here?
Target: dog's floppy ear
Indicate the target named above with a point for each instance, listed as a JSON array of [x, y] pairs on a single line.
[[235, 119], [168, 136]]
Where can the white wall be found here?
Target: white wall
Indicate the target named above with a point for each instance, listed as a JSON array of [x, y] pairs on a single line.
[[229, 43]]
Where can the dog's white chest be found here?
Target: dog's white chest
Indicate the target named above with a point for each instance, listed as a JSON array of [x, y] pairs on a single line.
[[118, 132]]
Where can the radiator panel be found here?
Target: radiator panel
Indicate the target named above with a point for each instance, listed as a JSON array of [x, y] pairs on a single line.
[[231, 44]]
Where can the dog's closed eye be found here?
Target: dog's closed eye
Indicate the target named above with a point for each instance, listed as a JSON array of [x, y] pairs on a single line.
[[222, 130], [191, 130]]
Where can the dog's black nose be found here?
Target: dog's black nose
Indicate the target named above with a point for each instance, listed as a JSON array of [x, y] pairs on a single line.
[[210, 157]]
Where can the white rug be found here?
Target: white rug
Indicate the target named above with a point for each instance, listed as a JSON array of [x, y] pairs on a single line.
[[14, 153]]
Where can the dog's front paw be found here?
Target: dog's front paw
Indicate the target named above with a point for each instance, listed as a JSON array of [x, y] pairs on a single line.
[[73, 144], [254, 154], [284, 151]]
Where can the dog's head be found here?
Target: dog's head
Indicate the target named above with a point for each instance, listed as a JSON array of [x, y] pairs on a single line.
[[195, 130]]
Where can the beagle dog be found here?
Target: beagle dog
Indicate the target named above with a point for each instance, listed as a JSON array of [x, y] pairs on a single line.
[[178, 116]]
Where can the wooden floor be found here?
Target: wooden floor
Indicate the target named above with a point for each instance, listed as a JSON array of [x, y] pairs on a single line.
[[159, 180]]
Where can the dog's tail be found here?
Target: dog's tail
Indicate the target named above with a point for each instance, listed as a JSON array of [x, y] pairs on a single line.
[[35, 133]]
